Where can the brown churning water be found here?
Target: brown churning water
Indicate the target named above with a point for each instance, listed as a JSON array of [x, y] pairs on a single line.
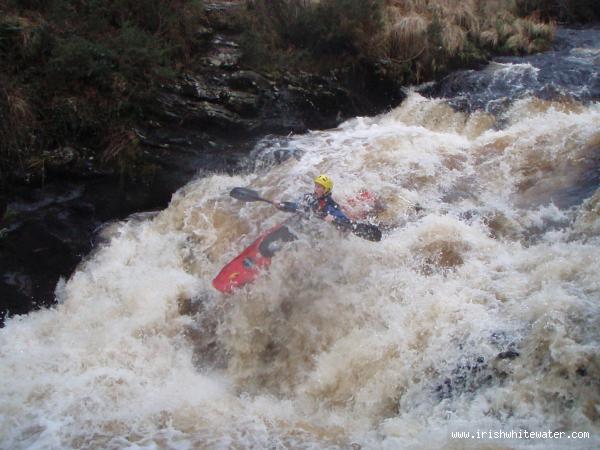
[[478, 312]]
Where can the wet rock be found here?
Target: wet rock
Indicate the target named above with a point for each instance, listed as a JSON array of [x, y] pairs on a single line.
[[70, 163], [320, 100], [222, 41], [468, 376], [444, 390], [157, 137], [250, 81], [242, 103], [229, 101], [227, 58], [194, 86], [509, 354], [60, 156], [222, 98], [184, 111], [214, 114], [204, 33]]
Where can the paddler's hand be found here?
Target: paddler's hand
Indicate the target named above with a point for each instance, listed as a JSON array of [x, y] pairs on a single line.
[[286, 206], [329, 218]]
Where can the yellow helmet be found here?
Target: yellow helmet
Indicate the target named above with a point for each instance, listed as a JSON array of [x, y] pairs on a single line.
[[326, 182]]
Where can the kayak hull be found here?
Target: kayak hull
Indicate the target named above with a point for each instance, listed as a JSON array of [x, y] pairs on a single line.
[[248, 265]]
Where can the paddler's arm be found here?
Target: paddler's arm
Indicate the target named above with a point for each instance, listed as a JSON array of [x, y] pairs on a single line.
[[335, 215], [304, 205]]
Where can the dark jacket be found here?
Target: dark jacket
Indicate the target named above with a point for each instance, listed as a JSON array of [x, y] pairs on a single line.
[[324, 206]]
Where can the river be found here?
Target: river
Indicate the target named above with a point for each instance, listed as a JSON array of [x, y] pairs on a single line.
[[478, 312]]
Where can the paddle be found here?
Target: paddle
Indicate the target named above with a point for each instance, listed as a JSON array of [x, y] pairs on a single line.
[[360, 229], [366, 231], [248, 195]]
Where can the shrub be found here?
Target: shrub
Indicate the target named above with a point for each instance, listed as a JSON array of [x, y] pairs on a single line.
[[407, 37], [140, 56], [329, 28], [334, 26], [78, 60], [24, 41], [80, 68], [17, 125]]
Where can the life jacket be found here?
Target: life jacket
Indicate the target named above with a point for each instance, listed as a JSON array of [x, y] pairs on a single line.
[[326, 205]]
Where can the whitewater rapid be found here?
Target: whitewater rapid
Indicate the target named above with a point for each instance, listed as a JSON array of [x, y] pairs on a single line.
[[478, 311]]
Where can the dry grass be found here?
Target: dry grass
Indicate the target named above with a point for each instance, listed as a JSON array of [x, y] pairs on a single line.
[[454, 38], [17, 122], [20, 111], [407, 37], [121, 144], [418, 37], [23, 27], [489, 38], [423, 30]]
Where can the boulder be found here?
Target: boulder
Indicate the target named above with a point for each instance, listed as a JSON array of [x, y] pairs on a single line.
[[249, 81], [242, 103], [183, 112], [226, 58], [195, 86]]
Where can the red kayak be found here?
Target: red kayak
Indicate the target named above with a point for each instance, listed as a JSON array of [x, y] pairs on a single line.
[[248, 265]]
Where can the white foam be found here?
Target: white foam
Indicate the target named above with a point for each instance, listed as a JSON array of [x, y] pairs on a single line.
[[387, 345]]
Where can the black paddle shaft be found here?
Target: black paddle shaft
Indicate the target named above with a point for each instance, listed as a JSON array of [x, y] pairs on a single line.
[[248, 195]]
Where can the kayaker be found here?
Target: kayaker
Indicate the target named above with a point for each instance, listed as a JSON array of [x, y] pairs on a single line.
[[321, 203]]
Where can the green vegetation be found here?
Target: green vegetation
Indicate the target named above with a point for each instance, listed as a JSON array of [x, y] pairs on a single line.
[[75, 72], [279, 33]]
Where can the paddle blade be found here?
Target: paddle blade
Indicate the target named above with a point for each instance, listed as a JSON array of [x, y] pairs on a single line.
[[367, 231], [245, 195]]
